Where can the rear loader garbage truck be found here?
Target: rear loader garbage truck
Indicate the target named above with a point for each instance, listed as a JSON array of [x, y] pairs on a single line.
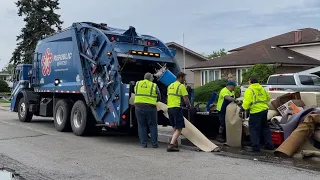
[[84, 76]]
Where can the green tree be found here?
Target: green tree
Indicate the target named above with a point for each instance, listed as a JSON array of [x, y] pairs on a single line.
[[41, 20], [4, 86], [221, 52], [8, 68], [259, 71], [204, 93]]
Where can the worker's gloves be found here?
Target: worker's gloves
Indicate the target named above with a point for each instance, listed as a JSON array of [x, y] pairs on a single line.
[[243, 114], [161, 111], [238, 102]]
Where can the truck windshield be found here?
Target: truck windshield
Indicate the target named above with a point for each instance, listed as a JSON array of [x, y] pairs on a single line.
[[309, 80], [281, 80]]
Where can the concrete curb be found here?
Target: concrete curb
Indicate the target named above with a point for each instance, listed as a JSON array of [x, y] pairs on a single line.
[[4, 108], [165, 134]]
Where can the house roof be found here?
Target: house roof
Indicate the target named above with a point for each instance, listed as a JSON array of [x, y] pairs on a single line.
[[308, 35], [259, 54], [189, 51]]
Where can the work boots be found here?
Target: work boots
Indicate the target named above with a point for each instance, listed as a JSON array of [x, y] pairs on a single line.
[[221, 138], [172, 148]]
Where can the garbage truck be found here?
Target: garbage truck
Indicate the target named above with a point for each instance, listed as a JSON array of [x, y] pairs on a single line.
[[83, 77]]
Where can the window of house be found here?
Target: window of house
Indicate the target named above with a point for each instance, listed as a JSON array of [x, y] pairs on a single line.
[[210, 75], [240, 71]]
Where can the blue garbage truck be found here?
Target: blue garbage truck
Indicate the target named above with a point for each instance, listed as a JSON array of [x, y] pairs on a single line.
[[84, 76]]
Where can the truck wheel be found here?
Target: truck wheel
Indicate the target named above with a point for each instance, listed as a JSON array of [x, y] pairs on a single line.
[[62, 116], [23, 112], [80, 119]]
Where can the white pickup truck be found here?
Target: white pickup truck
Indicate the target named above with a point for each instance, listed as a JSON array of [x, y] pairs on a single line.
[[290, 82]]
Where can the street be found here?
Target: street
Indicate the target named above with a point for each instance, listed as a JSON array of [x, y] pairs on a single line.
[[37, 151]]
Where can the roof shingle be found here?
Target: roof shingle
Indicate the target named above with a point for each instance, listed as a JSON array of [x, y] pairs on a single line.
[[259, 54], [308, 35]]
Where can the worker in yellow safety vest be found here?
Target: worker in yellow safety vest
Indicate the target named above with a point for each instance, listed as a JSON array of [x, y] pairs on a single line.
[[176, 91], [146, 96], [226, 96], [255, 101]]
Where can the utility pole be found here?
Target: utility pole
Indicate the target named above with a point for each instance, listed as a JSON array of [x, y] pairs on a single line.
[[184, 54]]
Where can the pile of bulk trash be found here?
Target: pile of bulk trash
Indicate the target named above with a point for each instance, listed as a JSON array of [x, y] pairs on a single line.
[[295, 126]]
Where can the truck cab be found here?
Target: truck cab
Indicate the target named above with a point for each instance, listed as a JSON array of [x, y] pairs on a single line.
[[20, 80], [20, 73]]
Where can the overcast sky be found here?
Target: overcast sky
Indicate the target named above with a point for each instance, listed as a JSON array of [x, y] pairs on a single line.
[[207, 24]]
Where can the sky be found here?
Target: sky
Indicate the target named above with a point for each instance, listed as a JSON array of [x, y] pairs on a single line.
[[207, 25]]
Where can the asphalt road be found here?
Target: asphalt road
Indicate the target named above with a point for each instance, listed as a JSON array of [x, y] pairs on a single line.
[[37, 151]]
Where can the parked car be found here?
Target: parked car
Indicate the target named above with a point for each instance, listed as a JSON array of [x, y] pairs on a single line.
[[290, 82]]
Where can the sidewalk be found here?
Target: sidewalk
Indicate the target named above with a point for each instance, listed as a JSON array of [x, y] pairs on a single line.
[[5, 106], [165, 133]]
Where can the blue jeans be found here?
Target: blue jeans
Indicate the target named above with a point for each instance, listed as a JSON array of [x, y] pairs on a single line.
[[147, 117], [258, 125]]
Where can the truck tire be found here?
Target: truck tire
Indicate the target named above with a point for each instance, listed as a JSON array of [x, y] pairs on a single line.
[[81, 123], [23, 112], [62, 115]]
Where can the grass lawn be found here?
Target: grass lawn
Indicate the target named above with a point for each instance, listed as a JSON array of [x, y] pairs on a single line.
[[4, 101]]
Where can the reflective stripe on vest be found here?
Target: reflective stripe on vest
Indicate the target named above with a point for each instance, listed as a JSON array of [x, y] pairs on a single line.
[[177, 92], [255, 97], [147, 95]]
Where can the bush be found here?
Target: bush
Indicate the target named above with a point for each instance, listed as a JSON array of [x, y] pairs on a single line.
[[259, 71], [4, 86], [203, 93]]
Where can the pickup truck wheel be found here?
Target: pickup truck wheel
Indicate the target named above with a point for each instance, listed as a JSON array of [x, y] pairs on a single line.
[[23, 112], [62, 116], [80, 121]]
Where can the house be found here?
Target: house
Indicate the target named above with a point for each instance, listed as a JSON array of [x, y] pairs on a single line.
[[191, 58], [5, 76], [290, 52]]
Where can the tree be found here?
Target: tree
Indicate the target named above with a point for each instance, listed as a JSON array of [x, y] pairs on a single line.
[[219, 53], [4, 86], [41, 20], [259, 71], [8, 68], [204, 93]]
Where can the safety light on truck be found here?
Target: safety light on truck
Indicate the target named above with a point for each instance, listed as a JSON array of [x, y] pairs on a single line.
[[109, 53], [145, 53], [56, 82]]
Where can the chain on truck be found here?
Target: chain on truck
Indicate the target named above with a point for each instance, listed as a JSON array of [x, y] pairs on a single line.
[[83, 77]]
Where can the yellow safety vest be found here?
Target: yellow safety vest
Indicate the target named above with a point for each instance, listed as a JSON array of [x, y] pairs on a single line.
[[175, 92], [223, 93], [259, 99], [145, 92]]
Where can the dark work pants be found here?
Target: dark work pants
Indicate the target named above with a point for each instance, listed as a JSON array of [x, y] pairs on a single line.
[[222, 119], [147, 117], [258, 125]]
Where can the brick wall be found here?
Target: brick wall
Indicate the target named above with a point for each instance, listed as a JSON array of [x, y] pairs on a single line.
[[229, 74]]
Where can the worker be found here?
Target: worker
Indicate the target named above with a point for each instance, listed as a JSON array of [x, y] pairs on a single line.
[[255, 101], [146, 96], [226, 96], [176, 91]]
